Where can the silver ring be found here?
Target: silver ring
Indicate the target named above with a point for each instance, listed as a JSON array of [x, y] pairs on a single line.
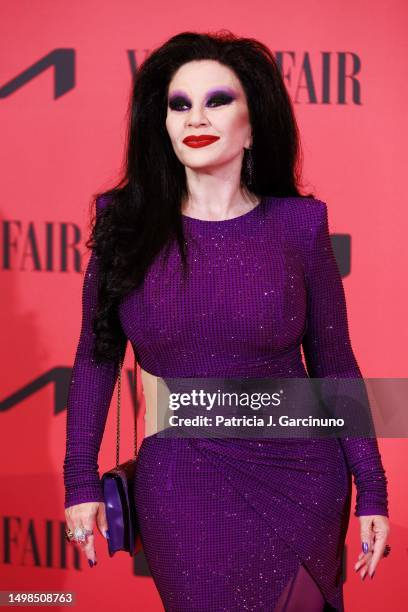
[[80, 534]]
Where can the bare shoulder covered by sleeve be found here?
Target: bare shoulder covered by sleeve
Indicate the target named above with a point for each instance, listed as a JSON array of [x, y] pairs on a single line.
[[89, 396], [328, 353]]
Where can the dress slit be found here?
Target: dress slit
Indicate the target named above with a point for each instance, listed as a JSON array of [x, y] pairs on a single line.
[[301, 594]]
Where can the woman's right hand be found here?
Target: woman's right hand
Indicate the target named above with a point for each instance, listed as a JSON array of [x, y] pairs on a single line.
[[86, 515]]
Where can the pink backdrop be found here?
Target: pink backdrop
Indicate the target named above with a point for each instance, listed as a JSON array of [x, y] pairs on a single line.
[[65, 78]]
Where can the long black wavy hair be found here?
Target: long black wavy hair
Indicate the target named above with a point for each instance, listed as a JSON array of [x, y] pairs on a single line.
[[144, 213]]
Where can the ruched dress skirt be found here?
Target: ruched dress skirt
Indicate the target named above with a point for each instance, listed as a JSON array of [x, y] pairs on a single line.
[[227, 524]]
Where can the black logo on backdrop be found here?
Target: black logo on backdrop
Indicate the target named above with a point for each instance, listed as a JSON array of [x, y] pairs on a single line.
[[58, 378], [48, 247], [62, 64], [331, 78]]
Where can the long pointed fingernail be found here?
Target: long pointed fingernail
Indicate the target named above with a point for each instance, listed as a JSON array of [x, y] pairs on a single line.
[[372, 575], [365, 547], [107, 534], [90, 562]]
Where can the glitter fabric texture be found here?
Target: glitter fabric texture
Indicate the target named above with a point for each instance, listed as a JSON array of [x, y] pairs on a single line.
[[227, 523]]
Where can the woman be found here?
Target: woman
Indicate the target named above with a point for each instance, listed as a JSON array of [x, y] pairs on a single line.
[[213, 165]]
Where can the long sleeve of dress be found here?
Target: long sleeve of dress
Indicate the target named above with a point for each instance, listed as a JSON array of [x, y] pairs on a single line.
[[328, 353], [89, 396]]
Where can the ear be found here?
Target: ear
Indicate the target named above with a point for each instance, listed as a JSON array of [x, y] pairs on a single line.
[[248, 142]]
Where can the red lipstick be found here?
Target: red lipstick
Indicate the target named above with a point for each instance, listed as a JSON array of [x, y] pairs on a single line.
[[199, 141]]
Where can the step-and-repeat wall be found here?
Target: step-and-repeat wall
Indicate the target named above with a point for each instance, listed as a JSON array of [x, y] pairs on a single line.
[[65, 75]]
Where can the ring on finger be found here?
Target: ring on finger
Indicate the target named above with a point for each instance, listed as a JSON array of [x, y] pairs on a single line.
[[78, 535]]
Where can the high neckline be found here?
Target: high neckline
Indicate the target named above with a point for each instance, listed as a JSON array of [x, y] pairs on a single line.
[[193, 221]]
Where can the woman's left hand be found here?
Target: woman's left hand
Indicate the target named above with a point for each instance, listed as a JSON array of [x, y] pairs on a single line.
[[374, 531]]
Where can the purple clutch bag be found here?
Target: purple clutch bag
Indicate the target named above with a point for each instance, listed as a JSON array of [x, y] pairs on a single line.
[[118, 493], [120, 507]]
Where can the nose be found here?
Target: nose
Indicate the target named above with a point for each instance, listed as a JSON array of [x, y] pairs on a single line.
[[197, 117]]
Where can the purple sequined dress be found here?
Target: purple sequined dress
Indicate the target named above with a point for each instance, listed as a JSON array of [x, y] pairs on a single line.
[[226, 524]]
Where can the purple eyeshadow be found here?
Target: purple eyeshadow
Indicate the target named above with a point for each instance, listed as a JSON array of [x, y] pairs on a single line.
[[216, 91]]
